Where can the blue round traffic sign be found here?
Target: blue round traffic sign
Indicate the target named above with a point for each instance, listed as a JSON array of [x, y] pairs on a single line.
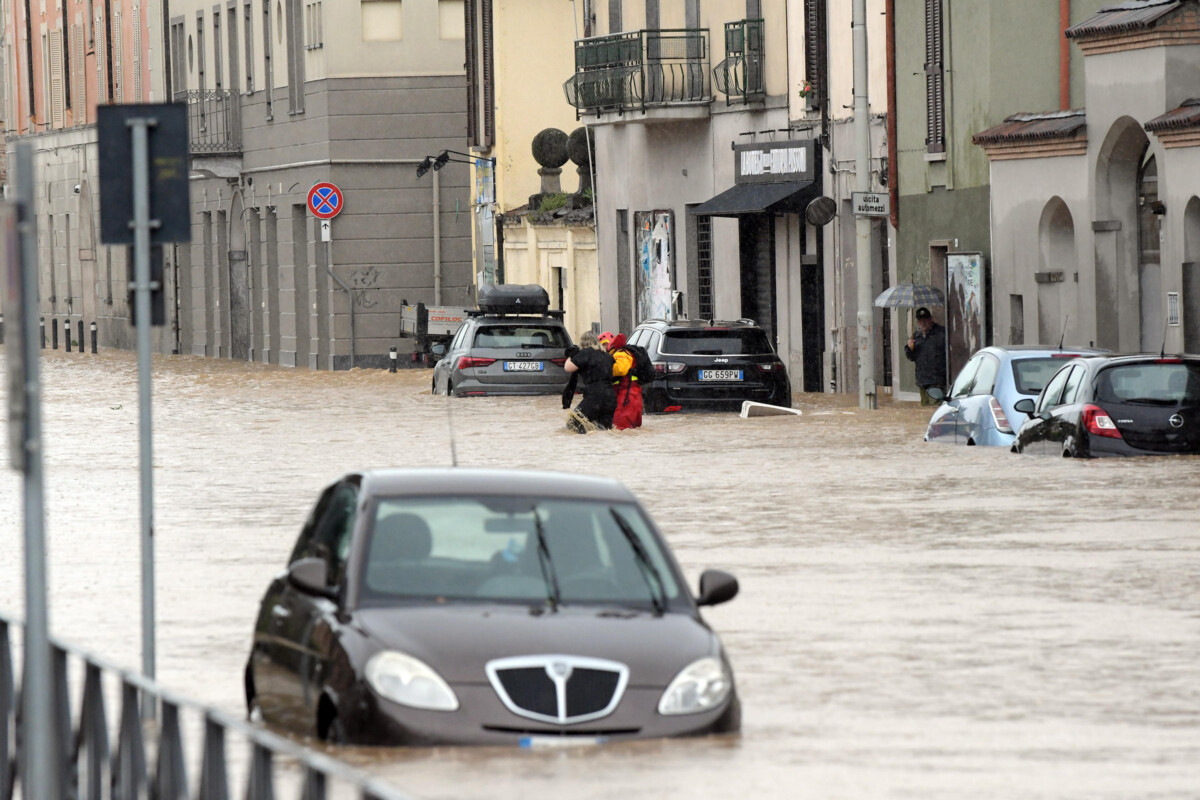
[[325, 200]]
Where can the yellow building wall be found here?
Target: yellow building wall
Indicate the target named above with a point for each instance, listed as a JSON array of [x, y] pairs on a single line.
[[557, 257]]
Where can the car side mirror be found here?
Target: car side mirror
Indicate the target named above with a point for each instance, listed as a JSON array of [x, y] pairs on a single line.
[[1025, 406], [310, 576], [716, 587], [935, 393], [438, 349]]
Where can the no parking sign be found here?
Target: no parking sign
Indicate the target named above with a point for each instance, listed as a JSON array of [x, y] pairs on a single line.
[[325, 200]]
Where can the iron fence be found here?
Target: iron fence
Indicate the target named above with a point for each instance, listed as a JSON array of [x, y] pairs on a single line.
[[90, 769], [740, 76], [630, 71], [213, 124]]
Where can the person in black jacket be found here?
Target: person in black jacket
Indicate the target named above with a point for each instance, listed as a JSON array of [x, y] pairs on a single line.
[[593, 368], [927, 348]]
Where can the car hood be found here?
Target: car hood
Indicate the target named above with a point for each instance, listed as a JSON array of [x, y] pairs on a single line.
[[459, 641]]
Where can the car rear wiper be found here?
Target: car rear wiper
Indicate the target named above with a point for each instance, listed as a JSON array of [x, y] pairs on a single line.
[[658, 592], [553, 593]]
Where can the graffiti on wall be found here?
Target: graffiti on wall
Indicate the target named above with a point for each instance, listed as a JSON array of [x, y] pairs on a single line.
[[656, 263]]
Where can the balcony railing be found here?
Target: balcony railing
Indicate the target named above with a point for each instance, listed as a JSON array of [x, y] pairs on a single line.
[[740, 76], [213, 126], [633, 70]]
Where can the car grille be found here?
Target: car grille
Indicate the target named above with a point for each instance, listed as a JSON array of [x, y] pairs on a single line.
[[558, 689]]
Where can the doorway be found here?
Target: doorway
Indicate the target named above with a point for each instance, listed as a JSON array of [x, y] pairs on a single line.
[[756, 239]]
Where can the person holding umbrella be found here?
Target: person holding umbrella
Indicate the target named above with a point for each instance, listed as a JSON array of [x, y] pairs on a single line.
[[927, 349]]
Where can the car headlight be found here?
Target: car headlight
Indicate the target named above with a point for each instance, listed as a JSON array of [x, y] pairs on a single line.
[[700, 686], [409, 681]]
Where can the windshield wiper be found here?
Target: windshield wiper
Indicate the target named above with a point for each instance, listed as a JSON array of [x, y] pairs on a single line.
[[658, 593], [553, 594]]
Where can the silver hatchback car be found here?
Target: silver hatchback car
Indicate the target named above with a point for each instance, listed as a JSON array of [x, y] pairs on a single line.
[[979, 409], [504, 354]]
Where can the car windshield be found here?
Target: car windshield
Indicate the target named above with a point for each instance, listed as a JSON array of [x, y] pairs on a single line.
[[1160, 383], [487, 549], [1032, 374], [716, 342], [519, 335]]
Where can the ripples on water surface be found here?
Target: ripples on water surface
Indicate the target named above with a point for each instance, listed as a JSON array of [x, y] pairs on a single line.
[[915, 621]]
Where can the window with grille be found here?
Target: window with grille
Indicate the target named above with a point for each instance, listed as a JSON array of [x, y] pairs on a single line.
[[218, 67], [178, 75], [704, 267], [268, 67], [816, 53], [57, 101], [78, 76], [137, 54], [248, 22], [118, 55], [935, 96]]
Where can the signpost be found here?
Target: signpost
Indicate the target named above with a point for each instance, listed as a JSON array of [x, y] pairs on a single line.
[[144, 200], [871, 204], [325, 202]]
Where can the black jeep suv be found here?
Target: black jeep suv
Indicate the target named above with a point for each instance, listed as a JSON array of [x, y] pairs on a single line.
[[710, 364]]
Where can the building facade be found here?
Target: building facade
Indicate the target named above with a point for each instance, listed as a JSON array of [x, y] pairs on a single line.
[[1096, 212], [965, 67]]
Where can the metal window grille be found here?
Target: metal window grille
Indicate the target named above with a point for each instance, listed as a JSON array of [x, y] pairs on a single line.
[[935, 98], [137, 54], [816, 52], [100, 40], [118, 60], [704, 266]]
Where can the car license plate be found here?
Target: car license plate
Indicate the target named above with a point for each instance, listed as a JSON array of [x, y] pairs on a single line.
[[720, 374], [523, 366], [561, 741]]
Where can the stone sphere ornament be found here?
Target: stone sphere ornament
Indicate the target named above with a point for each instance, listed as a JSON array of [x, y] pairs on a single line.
[[550, 148], [579, 146]]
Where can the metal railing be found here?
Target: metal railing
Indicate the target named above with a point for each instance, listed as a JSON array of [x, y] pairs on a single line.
[[740, 77], [213, 124], [630, 71], [90, 769]]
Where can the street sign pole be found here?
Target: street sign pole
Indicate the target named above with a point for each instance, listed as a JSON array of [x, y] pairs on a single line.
[[862, 224], [142, 225], [39, 773]]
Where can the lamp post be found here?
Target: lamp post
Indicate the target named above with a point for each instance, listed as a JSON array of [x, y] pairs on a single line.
[[435, 163]]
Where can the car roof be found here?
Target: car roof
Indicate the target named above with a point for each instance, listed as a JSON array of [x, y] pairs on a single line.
[[1142, 358], [698, 323], [519, 318], [468, 480], [1047, 349]]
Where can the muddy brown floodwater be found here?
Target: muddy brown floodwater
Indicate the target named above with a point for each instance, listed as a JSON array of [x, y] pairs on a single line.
[[915, 621]]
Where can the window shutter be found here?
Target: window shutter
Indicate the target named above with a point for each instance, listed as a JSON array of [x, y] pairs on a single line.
[[57, 102], [100, 39], [137, 54], [935, 99], [489, 84], [816, 45], [78, 77], [472, 76], [118, 67]]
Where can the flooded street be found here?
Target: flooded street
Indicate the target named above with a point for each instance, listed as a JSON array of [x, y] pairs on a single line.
[[915, 621]]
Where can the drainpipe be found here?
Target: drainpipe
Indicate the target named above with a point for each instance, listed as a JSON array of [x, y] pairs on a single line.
[[1064, 55], [437, 240], [346, 289], [893, 145]]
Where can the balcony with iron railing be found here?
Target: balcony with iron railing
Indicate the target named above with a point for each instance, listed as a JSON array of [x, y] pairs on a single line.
[[639, 70], [740, 77], [214, 128]]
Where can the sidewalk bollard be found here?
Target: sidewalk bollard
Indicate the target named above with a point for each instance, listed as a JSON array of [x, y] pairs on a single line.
[[54, 332], [392, 356], [67, 334], [93, 327], [80, 340], [1, 329], [42, 325]]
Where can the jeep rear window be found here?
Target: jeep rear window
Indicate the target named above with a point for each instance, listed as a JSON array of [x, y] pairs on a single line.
[[714, 342], [1031, 374], [1150, 384], [520, 335]]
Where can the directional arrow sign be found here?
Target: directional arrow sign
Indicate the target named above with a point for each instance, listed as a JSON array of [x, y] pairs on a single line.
[[326, 231]]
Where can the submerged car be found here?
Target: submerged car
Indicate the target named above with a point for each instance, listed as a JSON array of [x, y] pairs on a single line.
[[512, 344], [711, 364], [1119, 406], [981, 406], [460, 606]]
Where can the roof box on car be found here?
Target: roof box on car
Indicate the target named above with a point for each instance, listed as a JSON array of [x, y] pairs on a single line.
[[513, 298]]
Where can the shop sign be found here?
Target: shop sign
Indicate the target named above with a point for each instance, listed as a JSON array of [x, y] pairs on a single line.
[[775, 162]]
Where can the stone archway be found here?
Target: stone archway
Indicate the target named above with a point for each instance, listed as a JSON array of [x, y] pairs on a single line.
[[1190, 301], [1057, 265], [1119, 173], [239, 282]]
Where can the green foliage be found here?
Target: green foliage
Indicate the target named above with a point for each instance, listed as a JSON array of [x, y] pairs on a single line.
[[552, 202]]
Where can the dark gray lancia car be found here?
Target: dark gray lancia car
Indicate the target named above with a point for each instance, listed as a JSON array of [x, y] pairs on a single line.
[[465, 606]]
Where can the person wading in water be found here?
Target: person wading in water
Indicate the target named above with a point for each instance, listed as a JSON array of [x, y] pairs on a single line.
[[592, 367]]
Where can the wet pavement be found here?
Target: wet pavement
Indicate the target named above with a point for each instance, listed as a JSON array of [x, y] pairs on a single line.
[[915, 621]]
